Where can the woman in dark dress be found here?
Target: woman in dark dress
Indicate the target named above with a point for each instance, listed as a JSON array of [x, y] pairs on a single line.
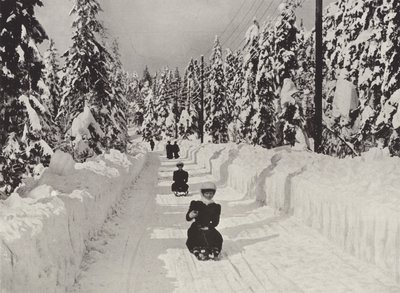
[[204, 241]]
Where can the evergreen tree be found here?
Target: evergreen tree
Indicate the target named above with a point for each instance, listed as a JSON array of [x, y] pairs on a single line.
[[289, 111], [265, 118], [233, 81], [164, 104], [117, 131], [189, 90], [177, 106], [361, 47], [250, 65], [216, 117], [135, 100], [87, 72], [52, 79], [391, 76], [149, 126], [305, 79], [24, 120], [146, 77]]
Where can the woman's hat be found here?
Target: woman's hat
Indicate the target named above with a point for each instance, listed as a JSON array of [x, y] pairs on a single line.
[[208, 186]]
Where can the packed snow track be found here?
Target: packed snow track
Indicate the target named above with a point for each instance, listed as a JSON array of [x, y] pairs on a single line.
[[141, 247]]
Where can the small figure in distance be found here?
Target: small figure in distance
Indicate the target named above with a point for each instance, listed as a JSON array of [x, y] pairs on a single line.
[[152, 144], [169, 150], [180, 177], [176, 150], [204, 241]]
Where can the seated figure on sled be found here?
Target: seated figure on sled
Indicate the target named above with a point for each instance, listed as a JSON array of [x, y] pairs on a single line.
[[180, 187], [204, 241]]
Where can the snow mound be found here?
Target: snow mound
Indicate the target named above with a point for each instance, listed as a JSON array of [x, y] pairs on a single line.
[[80, 125], [44, 232], [99, 167], [42, 191], [118, 158], [62, 163], [353, 202]]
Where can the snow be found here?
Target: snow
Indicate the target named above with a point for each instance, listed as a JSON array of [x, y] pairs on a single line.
[[345, 99], [142, 247], [80, 125], [355, 203], [62, 163], [33, 116], [395, 98], [44, 230], [292, 221], [252, 32], [287, 92], [47, 150]]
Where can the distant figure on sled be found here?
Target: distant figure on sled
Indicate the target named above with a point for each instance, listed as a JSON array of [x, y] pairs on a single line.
[[180, 187], [204, 241]]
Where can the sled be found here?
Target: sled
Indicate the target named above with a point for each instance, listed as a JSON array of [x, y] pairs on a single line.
[[181, 193], [204, 255]]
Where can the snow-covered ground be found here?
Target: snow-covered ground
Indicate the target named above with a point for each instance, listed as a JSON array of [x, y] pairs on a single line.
[[328, 225], [45, 228], [142, 247], [355, 203]]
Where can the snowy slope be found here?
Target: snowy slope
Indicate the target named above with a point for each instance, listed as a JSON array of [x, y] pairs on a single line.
[[355, 203], [44, 231], [143, 247]]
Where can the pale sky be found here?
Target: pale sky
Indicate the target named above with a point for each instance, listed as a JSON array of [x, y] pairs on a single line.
[[162, 33]]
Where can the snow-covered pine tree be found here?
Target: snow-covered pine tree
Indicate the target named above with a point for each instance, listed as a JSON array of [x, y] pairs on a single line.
[[155, 82], [24, 120], [188, 118], [357, 43], [87, 75], [149, 126], [176, 101], [264, 119], [135, 100], [146, 76], [289, 111], [390, 104], [117, 132], [52, 79], [233, 85], [245, 104], [164, 104], [305, 78], [216, 114], [342, 26]]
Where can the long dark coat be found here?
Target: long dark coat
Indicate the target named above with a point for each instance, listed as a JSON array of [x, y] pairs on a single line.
[[180, 181], [175, 150], [169, 149], [208, 216]]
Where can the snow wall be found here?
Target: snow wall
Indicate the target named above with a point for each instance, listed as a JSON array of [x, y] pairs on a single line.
[[44, 231], [355, 203]]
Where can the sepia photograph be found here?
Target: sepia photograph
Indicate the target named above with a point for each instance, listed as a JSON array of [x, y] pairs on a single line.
[[219, 146]]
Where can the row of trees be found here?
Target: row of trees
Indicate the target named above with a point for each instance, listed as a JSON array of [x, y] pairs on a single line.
[[43, 104], [244, 89], [263, 93], [362, 47]]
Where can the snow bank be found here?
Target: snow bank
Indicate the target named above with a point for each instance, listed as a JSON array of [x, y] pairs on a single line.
[[355, 203], [44, 231]]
